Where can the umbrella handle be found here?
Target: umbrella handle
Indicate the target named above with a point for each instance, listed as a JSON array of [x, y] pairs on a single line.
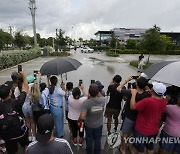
[[61, 78], [66, 76]]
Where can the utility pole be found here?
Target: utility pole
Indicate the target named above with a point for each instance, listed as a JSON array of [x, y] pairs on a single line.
[[32, 7], [10, 30]]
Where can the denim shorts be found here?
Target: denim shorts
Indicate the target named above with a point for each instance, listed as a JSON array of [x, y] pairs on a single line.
[[27, 110], [148, 144], [169, 146]]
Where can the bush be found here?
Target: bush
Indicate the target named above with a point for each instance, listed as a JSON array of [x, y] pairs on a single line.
[[135, 64], [12, 58], [112, 54], [61, 54]]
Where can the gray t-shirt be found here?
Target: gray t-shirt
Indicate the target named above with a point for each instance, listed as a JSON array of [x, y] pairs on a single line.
[[56, 146], [94, 108]]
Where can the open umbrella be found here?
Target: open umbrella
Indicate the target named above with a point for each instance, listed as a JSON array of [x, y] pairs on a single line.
[[166, 71], [59, 66]]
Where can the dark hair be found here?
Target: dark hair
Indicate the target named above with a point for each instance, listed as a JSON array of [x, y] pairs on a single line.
[[76, 93], [117, 78], [69, 86], [142, 82], [14, 77], [54, 81], [42, 86]]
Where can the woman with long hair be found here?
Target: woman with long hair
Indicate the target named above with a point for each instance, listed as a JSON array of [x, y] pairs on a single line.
[[35, 102], [56, 94], [27, 108]]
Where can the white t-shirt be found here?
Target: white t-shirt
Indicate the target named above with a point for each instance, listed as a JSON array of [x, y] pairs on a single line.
[[75, 107], [28, 96]]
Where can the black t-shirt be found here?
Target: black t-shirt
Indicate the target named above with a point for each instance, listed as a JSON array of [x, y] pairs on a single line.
[[140, 57], [132, 114], [13, 104], [115, 97]]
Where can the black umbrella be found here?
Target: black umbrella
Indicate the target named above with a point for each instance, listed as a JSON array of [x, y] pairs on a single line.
[[59, 66]]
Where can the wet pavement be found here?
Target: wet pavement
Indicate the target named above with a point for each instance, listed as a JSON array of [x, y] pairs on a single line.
[[95, 66]]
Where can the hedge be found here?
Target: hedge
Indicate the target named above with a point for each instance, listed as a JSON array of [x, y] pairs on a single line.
[[12, 58], [112, 54], [134, 51], [61, 54]]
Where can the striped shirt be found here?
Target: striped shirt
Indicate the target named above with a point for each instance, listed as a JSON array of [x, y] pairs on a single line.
[[55, 146]]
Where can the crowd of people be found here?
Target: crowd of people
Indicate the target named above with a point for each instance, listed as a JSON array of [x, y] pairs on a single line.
[[32, 114]]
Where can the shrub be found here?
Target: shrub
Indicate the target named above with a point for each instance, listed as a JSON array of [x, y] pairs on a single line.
[[12, 58], [61, 54], [112, 54]]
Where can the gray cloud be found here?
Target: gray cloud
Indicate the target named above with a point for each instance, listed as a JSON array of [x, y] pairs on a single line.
[[88, 16]]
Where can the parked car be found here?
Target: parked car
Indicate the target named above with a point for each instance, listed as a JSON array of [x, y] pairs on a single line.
[[87, 50]]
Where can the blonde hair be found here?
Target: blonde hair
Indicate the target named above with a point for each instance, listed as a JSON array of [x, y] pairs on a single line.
[[35, 93]]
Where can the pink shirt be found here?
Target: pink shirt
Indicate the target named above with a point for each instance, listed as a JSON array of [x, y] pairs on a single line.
[[172, 123], [75, 107]]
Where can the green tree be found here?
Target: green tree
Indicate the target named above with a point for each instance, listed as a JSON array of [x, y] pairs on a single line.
[[131, 44], [81, 40], [113, 41], [151, 41], [60, 40], [6, 39], [19, 39]]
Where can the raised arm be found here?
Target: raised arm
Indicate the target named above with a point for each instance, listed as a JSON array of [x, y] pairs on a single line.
[[83, 91], [25, 83], [133, 101], [120, 87]]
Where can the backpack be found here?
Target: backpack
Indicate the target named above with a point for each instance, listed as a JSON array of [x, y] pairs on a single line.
[[11, 124], [114, 140], [36, 106]]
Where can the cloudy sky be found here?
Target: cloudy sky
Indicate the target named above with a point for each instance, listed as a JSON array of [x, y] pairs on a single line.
[[82, 18]]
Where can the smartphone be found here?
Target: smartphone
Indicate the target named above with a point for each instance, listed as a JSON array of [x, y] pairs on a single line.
[[92, 81], [135, 77], [80, 82], [36, 71], [129, 85], [19, 68]]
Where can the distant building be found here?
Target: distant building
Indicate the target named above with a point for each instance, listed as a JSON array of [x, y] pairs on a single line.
[[124, 34]]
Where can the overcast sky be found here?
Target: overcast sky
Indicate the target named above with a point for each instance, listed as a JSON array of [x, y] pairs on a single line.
[[82, 18]]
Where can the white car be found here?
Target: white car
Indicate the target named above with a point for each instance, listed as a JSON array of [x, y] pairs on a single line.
[[87, 50]]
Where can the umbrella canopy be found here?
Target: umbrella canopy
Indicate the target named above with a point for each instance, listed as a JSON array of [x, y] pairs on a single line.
[[167, 72], [59, 66]]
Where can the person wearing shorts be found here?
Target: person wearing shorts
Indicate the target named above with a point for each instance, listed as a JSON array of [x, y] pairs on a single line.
[[130, 115], [114, 105], [171, 129], [150, 111]]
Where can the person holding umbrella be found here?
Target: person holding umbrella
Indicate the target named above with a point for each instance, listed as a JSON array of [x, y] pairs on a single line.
[[56, 95]]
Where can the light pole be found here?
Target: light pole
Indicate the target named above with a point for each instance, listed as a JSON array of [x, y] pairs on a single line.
[[32, 7]]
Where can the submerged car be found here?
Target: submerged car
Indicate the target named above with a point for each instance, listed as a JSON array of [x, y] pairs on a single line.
[[87, 50]]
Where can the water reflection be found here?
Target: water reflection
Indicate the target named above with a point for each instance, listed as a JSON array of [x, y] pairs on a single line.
[[110, 69]]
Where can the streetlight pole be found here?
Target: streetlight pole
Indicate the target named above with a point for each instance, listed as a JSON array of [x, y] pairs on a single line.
[[32, 7]]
